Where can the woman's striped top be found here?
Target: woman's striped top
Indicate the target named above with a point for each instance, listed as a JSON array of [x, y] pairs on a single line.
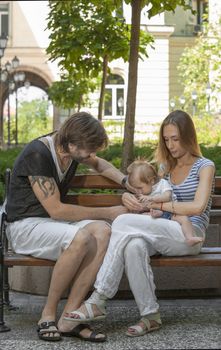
[[185, 192]]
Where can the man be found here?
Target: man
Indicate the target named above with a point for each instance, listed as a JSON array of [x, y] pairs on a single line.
[[42, 225]]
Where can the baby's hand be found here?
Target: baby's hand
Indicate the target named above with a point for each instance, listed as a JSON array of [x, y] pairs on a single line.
[[144, 200]]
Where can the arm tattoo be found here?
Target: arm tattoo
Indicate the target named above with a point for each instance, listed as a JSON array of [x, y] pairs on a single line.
[[46, 184]]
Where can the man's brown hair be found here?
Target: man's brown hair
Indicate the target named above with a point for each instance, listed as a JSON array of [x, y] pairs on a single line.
[[83, 131]]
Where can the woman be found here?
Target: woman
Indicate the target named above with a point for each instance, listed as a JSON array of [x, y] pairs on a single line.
[[136, 237]]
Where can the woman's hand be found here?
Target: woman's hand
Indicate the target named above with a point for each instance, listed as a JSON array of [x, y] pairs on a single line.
[[131, 202]]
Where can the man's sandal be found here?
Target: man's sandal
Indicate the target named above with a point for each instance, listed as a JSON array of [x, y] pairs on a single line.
[[93, 337], [47, 330], [78, 316], [138, 331]]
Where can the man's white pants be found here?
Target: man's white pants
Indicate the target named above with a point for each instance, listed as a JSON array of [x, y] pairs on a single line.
[[134, 239]]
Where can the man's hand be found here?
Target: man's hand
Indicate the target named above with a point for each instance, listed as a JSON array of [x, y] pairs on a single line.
[[116, 211], [132, 203], [130, 188]]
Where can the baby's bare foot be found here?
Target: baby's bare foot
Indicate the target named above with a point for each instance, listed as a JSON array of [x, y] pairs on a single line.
[[155, 213]]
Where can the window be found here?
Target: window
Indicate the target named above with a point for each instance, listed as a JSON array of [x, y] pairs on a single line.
[[114, 97], [3, 19], [201, 8]]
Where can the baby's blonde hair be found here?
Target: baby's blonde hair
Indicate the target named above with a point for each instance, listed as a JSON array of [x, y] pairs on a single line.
[[146, 171]]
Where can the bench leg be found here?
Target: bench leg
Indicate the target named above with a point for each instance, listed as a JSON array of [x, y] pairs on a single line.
[[3, 327], [6, 289]]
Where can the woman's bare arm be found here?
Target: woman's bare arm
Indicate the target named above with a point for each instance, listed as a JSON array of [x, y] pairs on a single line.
[[198, 205]]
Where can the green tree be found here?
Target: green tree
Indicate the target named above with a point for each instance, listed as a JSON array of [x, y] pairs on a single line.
[[154, 7], [33, 120], [86, 36], [70, 93], [198, 62]]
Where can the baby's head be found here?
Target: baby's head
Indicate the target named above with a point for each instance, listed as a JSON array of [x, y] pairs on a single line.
[[142, 176]]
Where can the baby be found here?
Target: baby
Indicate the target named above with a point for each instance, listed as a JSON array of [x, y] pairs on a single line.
[[143, 177]]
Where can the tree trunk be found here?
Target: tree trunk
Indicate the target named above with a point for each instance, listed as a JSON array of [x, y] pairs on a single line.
[[102, 92], [128, 142]]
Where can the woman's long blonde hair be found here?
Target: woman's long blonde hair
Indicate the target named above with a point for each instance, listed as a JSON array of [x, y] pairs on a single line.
[[188, 139]]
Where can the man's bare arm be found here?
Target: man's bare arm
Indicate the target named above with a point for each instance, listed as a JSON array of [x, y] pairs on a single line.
[[47, 192], [46, 185]]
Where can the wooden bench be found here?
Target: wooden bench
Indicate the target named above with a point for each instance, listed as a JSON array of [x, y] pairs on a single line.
[[209, 256]]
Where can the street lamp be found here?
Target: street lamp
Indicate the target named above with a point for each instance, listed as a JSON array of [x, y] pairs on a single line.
[[13, 78], [208, 94], [194, 98], [15, 62], [182, 101], [172, 104], [3, 42]]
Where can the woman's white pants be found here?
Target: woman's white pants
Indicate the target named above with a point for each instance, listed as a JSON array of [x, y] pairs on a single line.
[[134, 239]]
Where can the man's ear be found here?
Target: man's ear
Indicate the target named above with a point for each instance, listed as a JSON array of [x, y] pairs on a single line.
[[71, 147], [153, 180]]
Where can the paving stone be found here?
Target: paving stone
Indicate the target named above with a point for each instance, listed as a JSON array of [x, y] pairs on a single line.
[[187, 324]]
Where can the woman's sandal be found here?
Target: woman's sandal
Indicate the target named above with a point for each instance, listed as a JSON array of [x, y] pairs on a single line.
[[81, 317], [93, 337], [138, 331], [45, 329]]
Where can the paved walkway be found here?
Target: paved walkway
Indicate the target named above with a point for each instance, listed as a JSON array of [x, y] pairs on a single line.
[[187, 324]]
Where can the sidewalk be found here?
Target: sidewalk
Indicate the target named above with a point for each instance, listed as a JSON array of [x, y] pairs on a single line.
[[187, 324]]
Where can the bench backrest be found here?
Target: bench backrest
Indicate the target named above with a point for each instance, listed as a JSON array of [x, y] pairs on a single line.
[[96, 187], [98, 183]]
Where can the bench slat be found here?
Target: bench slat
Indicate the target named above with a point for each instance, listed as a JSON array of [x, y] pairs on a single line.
[[210, 256], [216, 201], [218, 184], [102, 199], [13, 259], [94, 200], [93, 181], [100, 182], [193, 260]]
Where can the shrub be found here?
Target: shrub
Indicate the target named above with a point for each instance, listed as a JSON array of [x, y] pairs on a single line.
[[112, 154]]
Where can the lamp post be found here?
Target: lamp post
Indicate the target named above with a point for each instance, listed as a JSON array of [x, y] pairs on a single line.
[[194, 98], [182, 101], [208, 94], [172, 104], [3, 44], [19, 77], [120, 104], [8, 67], [9, 78]]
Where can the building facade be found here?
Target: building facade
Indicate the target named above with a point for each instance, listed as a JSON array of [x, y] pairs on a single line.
[[25, 22]]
